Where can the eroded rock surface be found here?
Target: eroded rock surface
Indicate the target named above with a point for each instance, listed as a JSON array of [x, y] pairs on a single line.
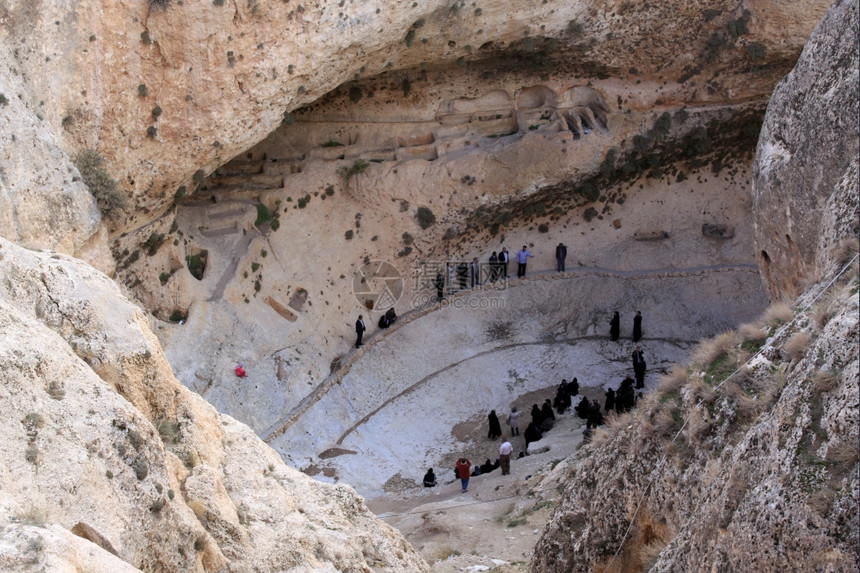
[[754, 469], [96, 417], [805, 184]]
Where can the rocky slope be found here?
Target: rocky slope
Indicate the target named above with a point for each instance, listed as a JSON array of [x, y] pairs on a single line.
[[743, 462], [102, 442], [807, 161]]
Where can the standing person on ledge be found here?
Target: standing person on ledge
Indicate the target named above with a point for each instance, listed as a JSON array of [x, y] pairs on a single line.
[[615, 326], [505, 457], [513, 420], [639, 367], [463, 471], [475, 272], [495, 427], [560, 256], [494, 267], [504, 257], [637, 326], [522, 259], [359, 330]]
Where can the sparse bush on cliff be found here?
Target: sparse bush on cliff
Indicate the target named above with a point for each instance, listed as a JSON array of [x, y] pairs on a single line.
[[263, 215], [425, 217], [142, 90], [358, 166], [109, 197]]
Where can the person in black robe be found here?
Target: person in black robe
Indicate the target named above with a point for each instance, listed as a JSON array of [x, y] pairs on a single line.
[[430, 478], [547, 425], [494, 267], [582, 408], [439, 283], [390, 316], [532, 434], [537, 415], [637, 326], [495, 427], [561, 402], [639, 367], [462, 275], [615, 326], [487, 467], [573, 387], [625, 398], [610, 400], [546, 410], [595, 418]]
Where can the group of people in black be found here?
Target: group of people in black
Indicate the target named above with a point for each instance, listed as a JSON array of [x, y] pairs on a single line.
[[615, 326]]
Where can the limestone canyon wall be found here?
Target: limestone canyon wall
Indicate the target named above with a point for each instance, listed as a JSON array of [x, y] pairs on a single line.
[[759, 472], [101, 441]]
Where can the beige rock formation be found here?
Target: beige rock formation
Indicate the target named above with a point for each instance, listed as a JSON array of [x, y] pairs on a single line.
[[103, 442], [97, 72], [513, 124], [759, 471], [805, 185]]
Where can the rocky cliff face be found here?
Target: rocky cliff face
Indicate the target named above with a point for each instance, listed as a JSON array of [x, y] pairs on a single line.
[[743, 462], [102, 444], [167, 91], [804, 186]]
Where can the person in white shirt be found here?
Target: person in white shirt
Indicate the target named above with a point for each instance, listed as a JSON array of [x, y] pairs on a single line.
[[505, 457]]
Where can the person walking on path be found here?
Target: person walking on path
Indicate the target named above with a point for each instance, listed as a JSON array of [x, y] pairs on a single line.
[[637, 326], [560, 256], [513, 421], [639, 367], [495, 427], [505, 457], [463, 471], [615, 326], [359, 330], [522, 259]]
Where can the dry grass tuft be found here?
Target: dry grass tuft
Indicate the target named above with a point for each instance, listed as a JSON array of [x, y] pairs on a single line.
[[674, 380], [615, 420], [599, 436], [824, 382], [710, 350], [844, 251], [843, 454], [697, 390], [752, 332], [822, 312], [696, 426], [663, 422], [777, 314], [821, 501], [796, 346], [745, 407]]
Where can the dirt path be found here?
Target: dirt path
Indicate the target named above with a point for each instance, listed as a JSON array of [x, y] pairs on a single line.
[[282, 424]]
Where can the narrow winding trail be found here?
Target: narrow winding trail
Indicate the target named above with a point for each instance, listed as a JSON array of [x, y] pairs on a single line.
[[346, 362]]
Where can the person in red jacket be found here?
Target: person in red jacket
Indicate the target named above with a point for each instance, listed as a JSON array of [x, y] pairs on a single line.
[[463, 472]]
